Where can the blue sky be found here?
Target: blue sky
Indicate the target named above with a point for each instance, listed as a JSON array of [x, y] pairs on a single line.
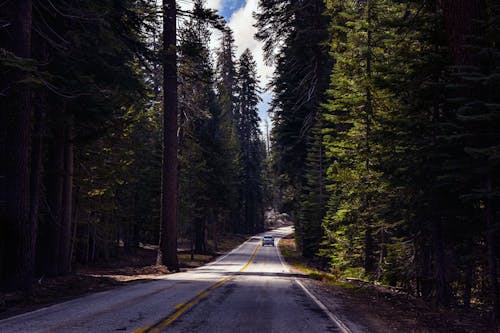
[[239, 16], [228, 7], [263, 107]]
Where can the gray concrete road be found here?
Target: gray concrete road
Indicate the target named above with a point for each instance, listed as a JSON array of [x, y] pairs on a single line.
[[248, 290]]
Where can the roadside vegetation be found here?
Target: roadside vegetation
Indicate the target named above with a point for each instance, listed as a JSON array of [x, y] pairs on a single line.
[[125, 269], [86, 148], [123, 132], [385, 137], [379, 308]]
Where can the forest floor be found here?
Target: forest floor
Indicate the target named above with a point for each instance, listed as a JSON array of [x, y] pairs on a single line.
[[116, 272], [381, 309]]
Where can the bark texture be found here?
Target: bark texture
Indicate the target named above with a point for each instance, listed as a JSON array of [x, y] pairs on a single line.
[[20, 232], [167, 252], [461, 20]]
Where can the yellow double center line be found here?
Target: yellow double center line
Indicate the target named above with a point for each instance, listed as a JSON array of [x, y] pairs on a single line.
[[181, 308]]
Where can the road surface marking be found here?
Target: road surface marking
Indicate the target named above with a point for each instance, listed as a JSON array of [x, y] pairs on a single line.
[[181, 308], [330, 315], [343, 328]]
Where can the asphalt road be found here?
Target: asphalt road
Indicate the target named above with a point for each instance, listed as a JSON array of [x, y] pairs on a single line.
[[248, 290]]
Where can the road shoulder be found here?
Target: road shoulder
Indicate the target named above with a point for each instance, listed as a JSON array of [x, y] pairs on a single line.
[[123, 270], [364, 307]]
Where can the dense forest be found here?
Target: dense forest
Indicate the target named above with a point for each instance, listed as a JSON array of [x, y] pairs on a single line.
[[385, 137], [120, 126], [87, 165]]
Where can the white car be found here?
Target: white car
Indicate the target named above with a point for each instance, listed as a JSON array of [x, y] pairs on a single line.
[[268, 240]]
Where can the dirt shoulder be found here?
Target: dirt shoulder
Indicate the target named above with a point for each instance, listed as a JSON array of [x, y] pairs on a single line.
[[127, 268], [365, 307]]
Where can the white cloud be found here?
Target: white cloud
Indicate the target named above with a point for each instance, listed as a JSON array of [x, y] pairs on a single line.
[[188, 5], [184, 5], [241, 23], [215, 4]]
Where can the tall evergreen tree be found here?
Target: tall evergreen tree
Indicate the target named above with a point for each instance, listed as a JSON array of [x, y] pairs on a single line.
[[226, 95], [314, 198], [199, 121], [408, 175], [251, 145], [167, 251], [294, 35], [74, 81], [18, 230]]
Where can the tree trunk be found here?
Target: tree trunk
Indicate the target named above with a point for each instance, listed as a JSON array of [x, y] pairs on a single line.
[[50, 243], [437, 257], [461, 20], [369, 261], [423, 266], [199, 240], [492, 258], [441, 281], [36, 168], [67, 203], [469, 270], [167, 251], [74, 227], [20, 232], [213, 220], [464, 21]]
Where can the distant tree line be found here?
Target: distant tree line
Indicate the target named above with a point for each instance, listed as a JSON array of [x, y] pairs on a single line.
[[81, 134], [386, 124]]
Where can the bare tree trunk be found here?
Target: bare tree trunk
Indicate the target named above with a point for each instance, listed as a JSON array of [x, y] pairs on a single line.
[[199, 239], [492, 258], [213, 220], [369, 262], [167, 251], [93, 239], [74, 227], [465, 19], [469, 271], [37, 166], [461, 20], [442, 288], [20, 261], [436, 229], [55, 187], [67, 203]]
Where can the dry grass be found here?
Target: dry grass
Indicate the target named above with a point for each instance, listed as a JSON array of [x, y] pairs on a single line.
[[303, 265]]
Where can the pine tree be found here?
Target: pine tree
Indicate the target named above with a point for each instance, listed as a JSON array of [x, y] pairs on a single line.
[[294, 35], [247, 123], [473, 105], [379, 135], [314, 198], [18, 229], [195, 76], [226, 95], [78, 87]]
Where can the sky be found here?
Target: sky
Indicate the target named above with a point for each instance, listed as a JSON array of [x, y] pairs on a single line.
[[238, 14]]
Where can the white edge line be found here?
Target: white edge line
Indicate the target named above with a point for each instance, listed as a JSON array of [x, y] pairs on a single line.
[[285, 265], [330, 315]]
